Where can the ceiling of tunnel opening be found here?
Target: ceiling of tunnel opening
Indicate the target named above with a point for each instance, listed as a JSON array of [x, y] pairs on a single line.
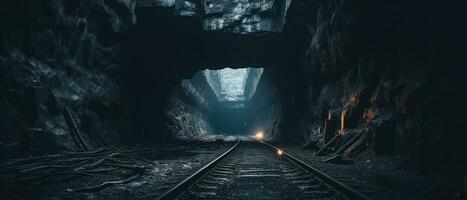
[[235, 16], [233, 85]]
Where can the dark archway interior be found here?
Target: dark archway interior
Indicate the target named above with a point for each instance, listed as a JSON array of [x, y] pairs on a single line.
[[176, 48], [384, 79]]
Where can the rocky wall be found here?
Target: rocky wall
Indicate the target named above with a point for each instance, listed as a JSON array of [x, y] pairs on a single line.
[[265, 108], [190, 107], [57, 65], [242, 17], [387, 74]]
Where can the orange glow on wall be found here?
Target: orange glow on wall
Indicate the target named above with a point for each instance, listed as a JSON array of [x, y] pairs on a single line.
[[342, 131]]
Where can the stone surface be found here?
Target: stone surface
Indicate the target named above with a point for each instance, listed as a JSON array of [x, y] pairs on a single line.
[[54, 57], [189, 108], [236, 16], [233, 84]]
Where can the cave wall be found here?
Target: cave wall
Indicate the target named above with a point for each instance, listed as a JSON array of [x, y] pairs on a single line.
[[265, 107], [190, 108], [57, 55], [268, 121], [391, 71]]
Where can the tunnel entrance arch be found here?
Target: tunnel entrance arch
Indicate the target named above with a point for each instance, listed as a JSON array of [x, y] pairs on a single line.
[[215, 101]]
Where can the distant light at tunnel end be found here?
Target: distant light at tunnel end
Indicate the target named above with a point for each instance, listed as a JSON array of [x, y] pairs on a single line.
[[259, 135], [280, 152]]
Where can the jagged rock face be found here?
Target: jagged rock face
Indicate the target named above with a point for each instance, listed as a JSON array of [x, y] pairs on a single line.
[[121, 13], [190, 105], [53, 58], [235, 16], [359, 77], [233, 84]]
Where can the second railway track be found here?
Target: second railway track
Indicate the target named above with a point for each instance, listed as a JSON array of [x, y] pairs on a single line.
[[254, 170]]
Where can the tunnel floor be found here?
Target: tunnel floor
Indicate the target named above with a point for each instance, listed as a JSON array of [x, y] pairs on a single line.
[[255, 172], [107, 173], [147, 172]]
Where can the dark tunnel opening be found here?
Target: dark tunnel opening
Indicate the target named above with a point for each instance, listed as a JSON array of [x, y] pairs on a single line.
[[124, 99], [182, 49]]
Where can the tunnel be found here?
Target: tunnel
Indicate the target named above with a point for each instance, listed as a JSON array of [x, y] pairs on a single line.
[[240, 99]]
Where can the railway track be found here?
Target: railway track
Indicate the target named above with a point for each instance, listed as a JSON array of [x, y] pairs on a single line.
[[254, 169]]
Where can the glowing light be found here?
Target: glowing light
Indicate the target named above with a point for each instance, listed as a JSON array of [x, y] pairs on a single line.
[[259, 135], [280, 152]]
